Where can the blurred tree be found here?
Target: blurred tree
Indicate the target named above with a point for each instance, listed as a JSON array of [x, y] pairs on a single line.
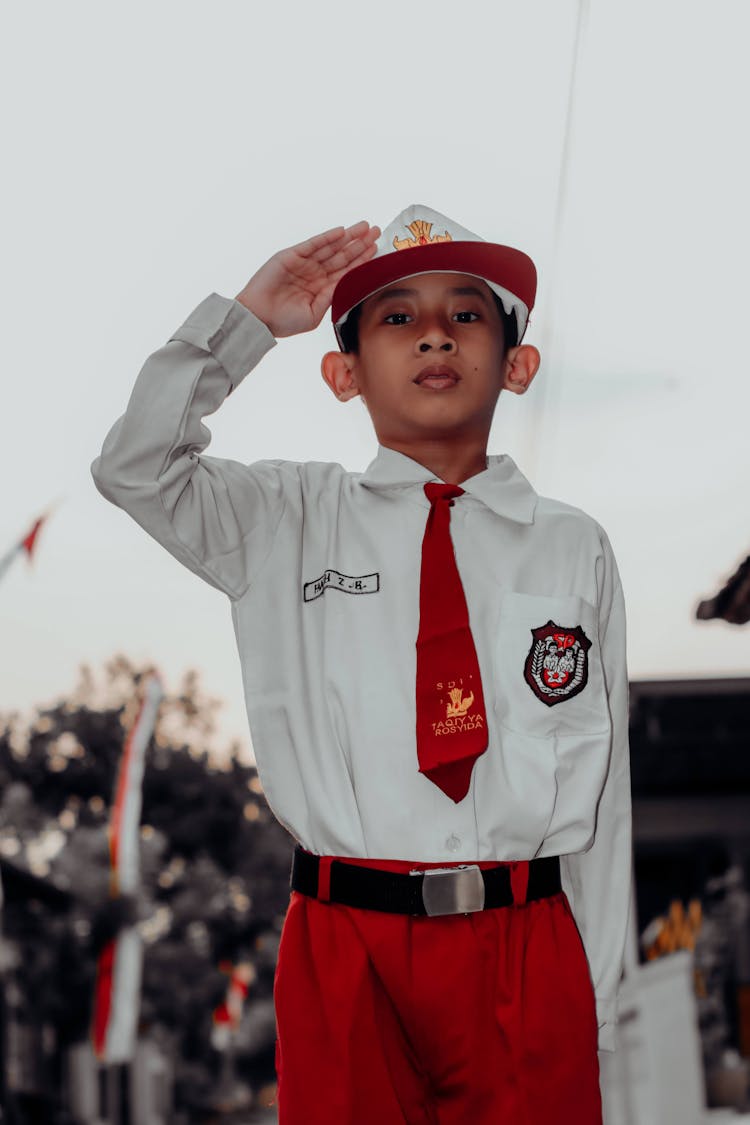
[[215, 863]]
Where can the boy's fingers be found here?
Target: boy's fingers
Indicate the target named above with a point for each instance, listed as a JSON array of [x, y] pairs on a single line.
[[333, 279], [359, 233], [353, 253], [362, 229], [356, 229], [317, 263], [312, 247], [323, 297], [333, 237]]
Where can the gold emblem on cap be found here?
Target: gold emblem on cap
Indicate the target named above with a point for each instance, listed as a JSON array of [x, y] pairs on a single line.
[[420, 230]]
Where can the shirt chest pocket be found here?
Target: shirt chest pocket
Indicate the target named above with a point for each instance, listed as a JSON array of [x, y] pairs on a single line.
[[548, 673]]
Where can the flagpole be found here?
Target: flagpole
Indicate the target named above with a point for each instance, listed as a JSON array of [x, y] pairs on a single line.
[[117, 996], [547, 337], [8, 559]]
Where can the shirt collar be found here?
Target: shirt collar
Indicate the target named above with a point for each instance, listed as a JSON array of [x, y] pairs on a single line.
[[501, 486]]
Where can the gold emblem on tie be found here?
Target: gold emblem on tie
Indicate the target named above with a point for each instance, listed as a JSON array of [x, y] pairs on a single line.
[[458, 706], [420, 230]]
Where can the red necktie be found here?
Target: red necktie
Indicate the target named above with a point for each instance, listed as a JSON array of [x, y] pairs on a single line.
[[451, 720]]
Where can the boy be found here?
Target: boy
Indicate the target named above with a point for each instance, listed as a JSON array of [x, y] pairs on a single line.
[[434, 667]]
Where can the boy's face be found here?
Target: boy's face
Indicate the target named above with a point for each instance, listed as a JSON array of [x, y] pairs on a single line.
[[431, 360]]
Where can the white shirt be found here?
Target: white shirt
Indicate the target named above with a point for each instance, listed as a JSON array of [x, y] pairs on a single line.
[[322, 569]]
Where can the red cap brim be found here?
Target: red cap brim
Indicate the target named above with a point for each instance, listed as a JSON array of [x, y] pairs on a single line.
[[512, 269]]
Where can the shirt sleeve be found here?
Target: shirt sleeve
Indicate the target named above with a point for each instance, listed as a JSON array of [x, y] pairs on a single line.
[[218, 517], [598, 882]]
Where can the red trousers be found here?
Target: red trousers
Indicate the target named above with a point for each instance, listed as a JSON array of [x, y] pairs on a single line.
[[463, 1019]]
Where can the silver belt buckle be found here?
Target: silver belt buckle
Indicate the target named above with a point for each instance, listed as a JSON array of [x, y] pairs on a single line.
[[452, 890]]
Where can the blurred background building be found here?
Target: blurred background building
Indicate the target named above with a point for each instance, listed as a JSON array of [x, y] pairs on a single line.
[[214, 888]]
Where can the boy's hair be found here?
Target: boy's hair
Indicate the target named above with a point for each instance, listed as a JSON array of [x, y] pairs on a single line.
[[350, 328]]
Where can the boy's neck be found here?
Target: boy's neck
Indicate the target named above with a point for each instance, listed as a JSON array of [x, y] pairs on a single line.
[[451, 462]]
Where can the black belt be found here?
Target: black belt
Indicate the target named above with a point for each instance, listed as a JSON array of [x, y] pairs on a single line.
[[455, 890]]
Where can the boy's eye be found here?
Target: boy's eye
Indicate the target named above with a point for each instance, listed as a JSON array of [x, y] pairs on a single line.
[[465, 316]]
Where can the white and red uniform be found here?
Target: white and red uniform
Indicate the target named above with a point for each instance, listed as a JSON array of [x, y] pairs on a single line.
[[322, 570]]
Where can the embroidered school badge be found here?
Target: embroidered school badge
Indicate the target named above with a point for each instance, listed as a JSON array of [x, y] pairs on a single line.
[[557, 666]]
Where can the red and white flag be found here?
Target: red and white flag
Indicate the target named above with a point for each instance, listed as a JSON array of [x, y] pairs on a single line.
[[228, 1015], [25, 546], [118, 983]]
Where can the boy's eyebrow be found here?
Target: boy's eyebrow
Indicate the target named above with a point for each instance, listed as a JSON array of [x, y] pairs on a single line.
[[387, 293], [469, 291]]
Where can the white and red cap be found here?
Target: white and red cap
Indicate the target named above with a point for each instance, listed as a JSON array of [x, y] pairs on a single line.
[[421, 240]]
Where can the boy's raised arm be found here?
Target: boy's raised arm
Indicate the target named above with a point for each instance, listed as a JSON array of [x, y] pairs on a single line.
[[217, 516]]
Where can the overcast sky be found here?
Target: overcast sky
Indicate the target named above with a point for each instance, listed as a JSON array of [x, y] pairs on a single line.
[[162, 151]]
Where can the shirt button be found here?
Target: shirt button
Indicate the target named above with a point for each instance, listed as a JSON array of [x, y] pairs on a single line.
[[453, 843]]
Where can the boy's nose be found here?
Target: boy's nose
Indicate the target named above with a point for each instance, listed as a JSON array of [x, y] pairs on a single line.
[[437, 337], [443, 346]]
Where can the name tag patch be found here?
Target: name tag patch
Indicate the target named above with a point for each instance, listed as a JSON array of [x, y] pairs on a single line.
[[335, 580]]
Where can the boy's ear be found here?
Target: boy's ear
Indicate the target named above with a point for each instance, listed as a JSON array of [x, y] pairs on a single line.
[[521, 365], [336, 369]]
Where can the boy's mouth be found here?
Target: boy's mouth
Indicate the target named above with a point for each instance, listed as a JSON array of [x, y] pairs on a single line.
[[438, 377]]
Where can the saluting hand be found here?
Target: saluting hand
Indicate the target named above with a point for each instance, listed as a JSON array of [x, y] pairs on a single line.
[[292, 291]]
